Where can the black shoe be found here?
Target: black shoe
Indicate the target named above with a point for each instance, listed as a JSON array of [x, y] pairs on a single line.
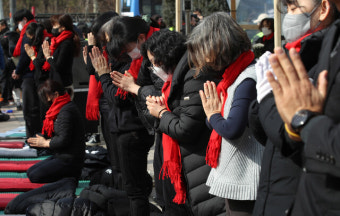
[[4, 117], [19, 108], [93, 140]]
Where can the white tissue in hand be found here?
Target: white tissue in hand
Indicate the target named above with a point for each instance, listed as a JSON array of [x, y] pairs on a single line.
[[262, 67]]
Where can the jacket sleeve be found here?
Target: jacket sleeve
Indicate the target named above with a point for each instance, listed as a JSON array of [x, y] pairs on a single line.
[[321, 137], [2, 59], [65, 52], [110, 91], [237, 120], [39, 60], [24, 59], [63, 130], [89, 67], [255, 123], [187, 119]]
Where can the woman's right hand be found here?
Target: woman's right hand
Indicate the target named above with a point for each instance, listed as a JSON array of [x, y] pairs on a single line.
[[211, 102], [99, 61], [91, 39], [46, 49], [29, 50]]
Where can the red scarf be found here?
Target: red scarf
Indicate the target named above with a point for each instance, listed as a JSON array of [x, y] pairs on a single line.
[[94, 94], [135, 66], [46, 34], [52, 113], [172, 165], [268, 37], [229, 77], [296, 44], [17, 49], [55, 42]]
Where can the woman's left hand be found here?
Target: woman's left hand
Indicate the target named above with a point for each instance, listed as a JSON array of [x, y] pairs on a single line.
[[211, 102], [46, 49], [29, 50], [99, 61], [125, 81], [155, 105], [39, 141]]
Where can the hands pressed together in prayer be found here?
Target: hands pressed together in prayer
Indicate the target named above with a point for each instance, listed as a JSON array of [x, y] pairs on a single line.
[[99, 62], [125, 81], [39, 141], [46, 49], [292, 89], [211, 101], [156, 105]]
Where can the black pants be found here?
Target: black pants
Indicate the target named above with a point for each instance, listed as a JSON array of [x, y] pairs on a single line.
[[165, 191], [239, 207], [31, 107], [133, 148], [53, 169]]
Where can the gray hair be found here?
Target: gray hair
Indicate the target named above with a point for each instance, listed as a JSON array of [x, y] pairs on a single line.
[[217, 42]]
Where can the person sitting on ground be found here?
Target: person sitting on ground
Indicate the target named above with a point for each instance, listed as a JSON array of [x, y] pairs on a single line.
[[63, 132]]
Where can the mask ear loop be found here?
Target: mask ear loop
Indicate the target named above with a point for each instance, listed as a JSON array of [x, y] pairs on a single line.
[[310, 14]]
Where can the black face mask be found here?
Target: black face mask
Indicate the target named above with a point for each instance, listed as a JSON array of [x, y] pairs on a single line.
[[55, 32]]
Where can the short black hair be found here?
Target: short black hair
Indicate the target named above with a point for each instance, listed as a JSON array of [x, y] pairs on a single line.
[[166, 46], [270, 21], [49, 87], [37, 31], [20, 14], [123, 31], [101, 20]]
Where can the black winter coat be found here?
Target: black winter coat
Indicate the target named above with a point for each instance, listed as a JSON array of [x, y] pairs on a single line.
[[124, 116], [186, 124], [280, 169], [319, 191], [150, 84], [61, 63], [68, 141]]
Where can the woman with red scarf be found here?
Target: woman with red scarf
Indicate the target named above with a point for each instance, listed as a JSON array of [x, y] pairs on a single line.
[[232, 152], [63, 133], [125, 35], [304, 28], [182, 135], [60, 53], [30, 100]]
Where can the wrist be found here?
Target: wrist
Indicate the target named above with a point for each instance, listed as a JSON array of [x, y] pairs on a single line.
[[211, 114], [160, 113], [134, 89]]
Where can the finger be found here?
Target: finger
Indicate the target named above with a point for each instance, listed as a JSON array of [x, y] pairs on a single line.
[[278, 70], [210, 90], [117, 84], [206, 91], [298, 64], [274, 84], [287, 65], [215, 94], [222, 97], [322, 83], [203, 97]]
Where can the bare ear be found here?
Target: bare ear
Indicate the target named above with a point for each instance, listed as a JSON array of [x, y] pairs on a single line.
[[141, 38], [325, 10]]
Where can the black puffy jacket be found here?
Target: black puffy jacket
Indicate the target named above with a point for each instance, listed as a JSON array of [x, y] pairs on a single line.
[[68, 141], [186, 124]]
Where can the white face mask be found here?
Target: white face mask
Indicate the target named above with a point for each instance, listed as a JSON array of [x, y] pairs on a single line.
[[294, 26], [135, 53], [20, 26], [266, 31], [160, 73]]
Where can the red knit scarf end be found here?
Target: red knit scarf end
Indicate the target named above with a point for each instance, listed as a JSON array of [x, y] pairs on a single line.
[[172, 170], [121, 93], [213, 151], [92, 112], [48, 127]]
